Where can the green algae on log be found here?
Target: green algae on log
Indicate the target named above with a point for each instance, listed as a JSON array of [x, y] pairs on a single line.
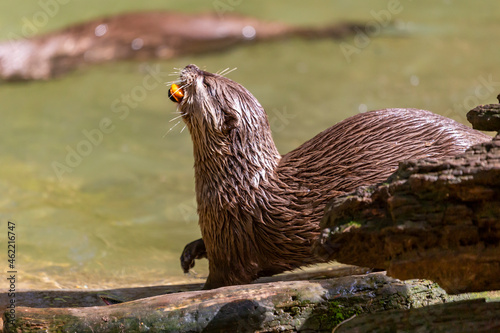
[[465, 316], [432, 219], [287, 306]]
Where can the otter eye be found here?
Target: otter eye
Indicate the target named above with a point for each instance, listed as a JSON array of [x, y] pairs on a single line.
[[175, 93]]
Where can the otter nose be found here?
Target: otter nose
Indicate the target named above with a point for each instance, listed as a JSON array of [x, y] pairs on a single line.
[[175, 93]]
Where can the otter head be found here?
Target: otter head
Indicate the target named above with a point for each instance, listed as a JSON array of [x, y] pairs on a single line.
[[224, 119]]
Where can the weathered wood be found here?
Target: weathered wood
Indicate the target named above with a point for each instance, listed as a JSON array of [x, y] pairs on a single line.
[[280, 306], [84, 298], [485, 117], [438, 220], [466, 316]]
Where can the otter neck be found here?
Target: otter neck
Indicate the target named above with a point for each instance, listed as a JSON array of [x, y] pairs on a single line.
[[232, 177], [228, 167]]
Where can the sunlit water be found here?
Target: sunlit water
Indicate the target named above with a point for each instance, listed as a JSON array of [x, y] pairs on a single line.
[[120, 212]]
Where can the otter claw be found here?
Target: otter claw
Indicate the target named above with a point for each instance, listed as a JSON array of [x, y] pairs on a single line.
[[192, 251]]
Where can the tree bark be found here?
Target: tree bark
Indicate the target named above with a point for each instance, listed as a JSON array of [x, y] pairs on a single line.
[[432, 219], [485, 117]]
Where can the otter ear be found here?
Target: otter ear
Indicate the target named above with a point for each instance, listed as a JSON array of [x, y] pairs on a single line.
[[230, 122]]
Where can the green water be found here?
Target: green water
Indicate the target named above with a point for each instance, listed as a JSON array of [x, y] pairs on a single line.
[[121, 215]]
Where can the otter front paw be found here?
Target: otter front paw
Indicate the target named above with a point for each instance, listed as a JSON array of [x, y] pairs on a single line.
[[192, 251]]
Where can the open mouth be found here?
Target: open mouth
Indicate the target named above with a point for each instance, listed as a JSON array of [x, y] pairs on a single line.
[[175, 93]]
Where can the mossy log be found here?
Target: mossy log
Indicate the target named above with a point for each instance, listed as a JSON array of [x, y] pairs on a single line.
[[465, 316], [432, 219], [278, 306]]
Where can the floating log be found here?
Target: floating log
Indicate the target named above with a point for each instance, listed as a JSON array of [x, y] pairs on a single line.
[[142, 36]]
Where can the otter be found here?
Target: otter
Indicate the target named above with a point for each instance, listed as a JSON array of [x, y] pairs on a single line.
[[145, 35], [259, 212]]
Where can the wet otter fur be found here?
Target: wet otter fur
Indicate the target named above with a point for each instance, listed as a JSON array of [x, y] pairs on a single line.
[[259, 212]]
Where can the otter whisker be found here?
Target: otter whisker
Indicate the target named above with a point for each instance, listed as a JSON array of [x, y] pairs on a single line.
[[177, 72], [227, 71], [169, 83], [180, 115], [171, 128], [183, 128], [222, 71]]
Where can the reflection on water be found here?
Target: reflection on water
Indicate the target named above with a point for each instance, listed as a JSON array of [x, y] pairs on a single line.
[[112, 204]]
